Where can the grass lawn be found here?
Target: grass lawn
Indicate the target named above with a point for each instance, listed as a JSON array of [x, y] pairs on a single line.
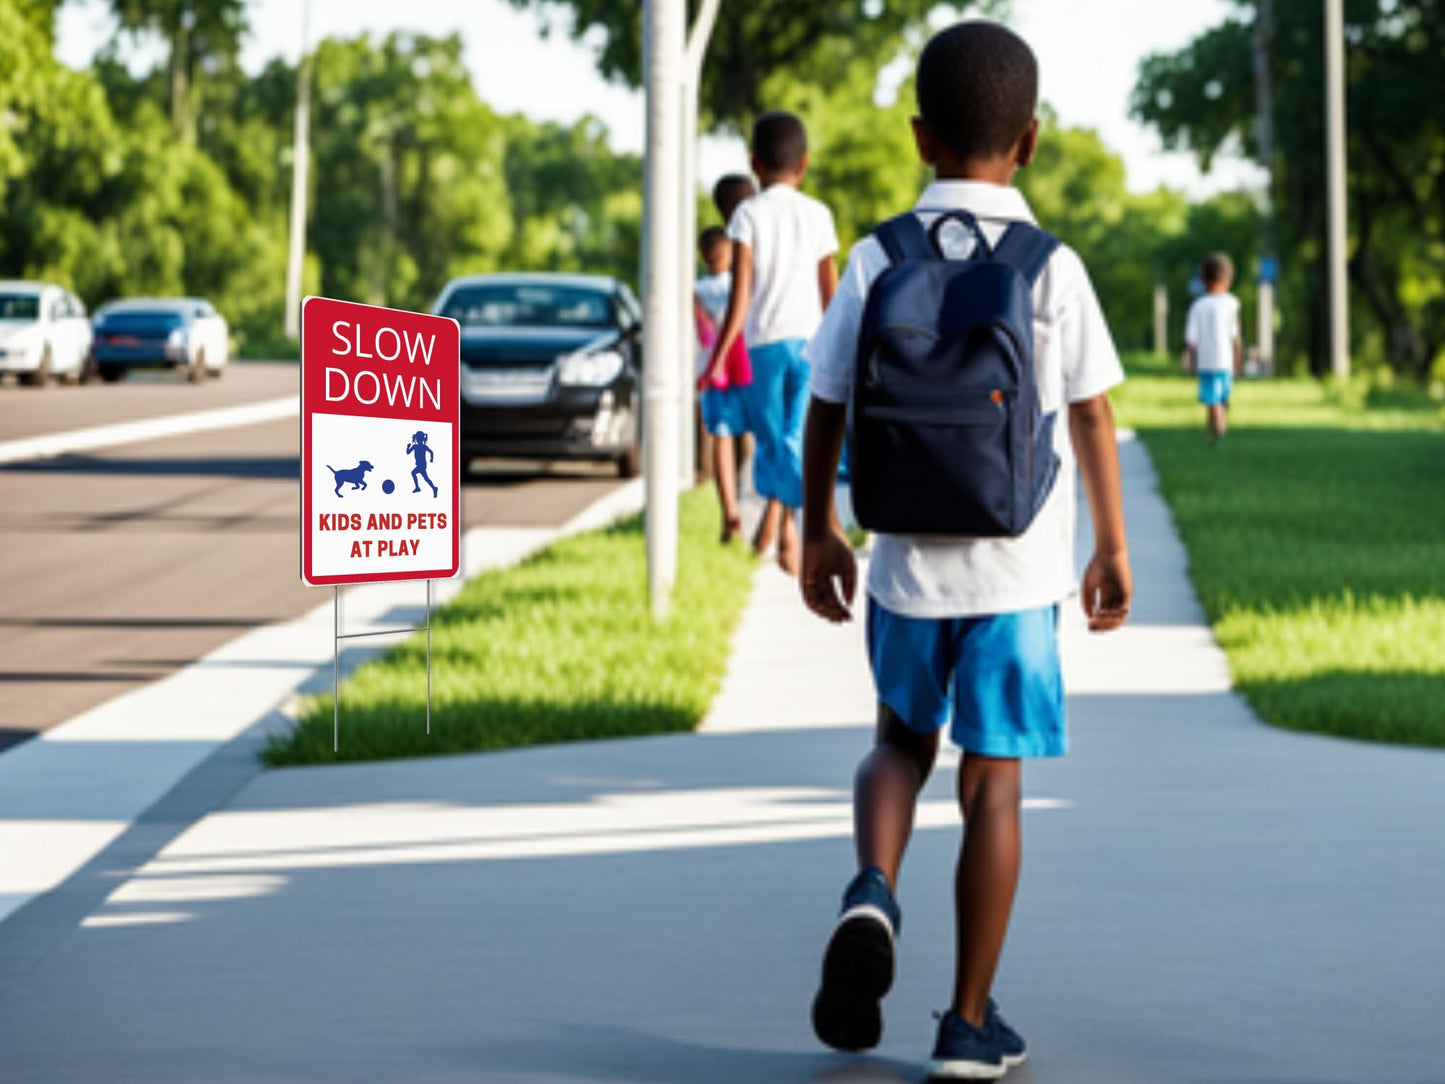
[[1316, 538], [558, 648]]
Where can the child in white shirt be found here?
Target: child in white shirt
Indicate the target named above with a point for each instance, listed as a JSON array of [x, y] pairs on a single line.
[[1213, 345]]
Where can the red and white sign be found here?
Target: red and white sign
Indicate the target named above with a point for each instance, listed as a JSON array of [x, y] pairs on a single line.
[[380, 444]]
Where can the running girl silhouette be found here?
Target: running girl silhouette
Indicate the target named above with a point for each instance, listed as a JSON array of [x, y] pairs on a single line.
[[419, 449]]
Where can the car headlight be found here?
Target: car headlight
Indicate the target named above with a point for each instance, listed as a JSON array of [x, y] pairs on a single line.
[[590, 370], [177, 337]]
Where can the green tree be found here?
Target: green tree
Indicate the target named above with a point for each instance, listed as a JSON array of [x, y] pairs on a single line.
[[756, 42], [1202, 98], [409, 169], [576, 204], [197, 33]]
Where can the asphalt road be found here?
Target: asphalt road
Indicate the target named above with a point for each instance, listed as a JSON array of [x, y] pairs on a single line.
[[32, 412], [125, 564]]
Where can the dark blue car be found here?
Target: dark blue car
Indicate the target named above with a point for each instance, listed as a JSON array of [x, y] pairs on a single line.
[[551, 367], [184, 333]]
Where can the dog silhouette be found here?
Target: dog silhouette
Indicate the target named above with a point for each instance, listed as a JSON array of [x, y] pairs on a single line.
[[356, 476]]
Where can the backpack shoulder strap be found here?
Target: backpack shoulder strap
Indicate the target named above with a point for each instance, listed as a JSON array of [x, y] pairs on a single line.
[[904, 238], [1026, 249]]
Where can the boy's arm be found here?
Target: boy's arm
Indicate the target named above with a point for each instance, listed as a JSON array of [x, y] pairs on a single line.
[[827, 280], [738, 299], [1108, 585], [1189, 362], [702, 321], [827, 556], [1238, 356]]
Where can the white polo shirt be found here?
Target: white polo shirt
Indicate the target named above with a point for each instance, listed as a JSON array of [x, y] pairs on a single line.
[[1211, 329], [789, 233], [1075, 359]]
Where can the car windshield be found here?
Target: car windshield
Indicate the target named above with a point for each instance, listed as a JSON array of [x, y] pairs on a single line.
[[19, 306], [528, 305], [141, 321]]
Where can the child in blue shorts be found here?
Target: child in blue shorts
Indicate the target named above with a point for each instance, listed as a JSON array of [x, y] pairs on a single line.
[[1213, 345], [721, 398], [962, 633], [784, 276]]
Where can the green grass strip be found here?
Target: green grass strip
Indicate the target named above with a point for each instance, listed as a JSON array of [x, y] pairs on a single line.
[[558, 648], [1316, 539]]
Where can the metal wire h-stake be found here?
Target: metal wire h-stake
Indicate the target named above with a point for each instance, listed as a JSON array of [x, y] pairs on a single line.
[[337, 637]]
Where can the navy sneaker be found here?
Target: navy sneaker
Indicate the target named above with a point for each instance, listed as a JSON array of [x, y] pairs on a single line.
[[858, 965], [1015, 1050], [964, 1052]]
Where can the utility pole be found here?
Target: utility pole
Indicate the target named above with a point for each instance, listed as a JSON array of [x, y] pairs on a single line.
[[693, 54], [664, 26], [1264, 101], [300, 155], [1335, 141]]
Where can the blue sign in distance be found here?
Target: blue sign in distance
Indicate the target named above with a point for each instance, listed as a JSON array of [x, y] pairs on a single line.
[[1269, 269]]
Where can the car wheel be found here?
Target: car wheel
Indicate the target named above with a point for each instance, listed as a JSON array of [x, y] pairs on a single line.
[[629, 462], [86, 374], [38, 378], [110, 373], [197, 372]]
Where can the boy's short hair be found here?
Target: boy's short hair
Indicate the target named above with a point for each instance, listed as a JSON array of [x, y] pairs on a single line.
[[978, 88], [780, 142], [710, 238], [730, 191], [1216, 267]]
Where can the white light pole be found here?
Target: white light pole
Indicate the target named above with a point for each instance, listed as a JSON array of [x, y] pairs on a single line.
[[694, 52], [300, 155], [1335, 140], [664, 25]]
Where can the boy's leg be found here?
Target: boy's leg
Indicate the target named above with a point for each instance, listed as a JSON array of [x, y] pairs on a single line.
[[795, 411], [989, 794], [858, 964], [885, 792], [767, 532], [725, 475]]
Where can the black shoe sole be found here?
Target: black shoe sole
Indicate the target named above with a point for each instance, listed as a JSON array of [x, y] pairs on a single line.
[[857, 972]]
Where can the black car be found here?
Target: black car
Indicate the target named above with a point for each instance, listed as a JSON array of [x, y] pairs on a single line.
[[551, 367]]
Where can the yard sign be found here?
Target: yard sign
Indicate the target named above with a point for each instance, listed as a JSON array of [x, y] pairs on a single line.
[[380, 444]]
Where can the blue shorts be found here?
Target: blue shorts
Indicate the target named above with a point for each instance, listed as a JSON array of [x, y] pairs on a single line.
[[723, 413], [776, 402], [997, 678], [1214, 388]]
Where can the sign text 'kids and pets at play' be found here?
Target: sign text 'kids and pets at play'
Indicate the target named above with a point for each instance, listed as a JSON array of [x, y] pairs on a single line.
[[380, 444]]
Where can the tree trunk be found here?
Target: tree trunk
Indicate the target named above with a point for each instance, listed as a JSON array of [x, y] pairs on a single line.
[[182, 123]]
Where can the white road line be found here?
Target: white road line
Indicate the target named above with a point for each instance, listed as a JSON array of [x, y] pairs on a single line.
[[173, 425]]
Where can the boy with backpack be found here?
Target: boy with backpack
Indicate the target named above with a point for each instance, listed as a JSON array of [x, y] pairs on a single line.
[[783, 278], [1213, 346], [967, 358]]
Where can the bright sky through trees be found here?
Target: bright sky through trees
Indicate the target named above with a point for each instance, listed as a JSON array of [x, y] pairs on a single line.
[[516, 70]]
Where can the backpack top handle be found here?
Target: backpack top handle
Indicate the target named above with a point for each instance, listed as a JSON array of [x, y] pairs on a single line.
[[904, 237]]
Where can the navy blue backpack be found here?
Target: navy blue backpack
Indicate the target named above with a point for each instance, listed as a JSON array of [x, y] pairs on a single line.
[[946, 434]]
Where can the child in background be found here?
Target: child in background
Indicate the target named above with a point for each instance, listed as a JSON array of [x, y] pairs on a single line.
[[783, 278], [1213, 345], [728, 194], [722, 406], [962, 630]]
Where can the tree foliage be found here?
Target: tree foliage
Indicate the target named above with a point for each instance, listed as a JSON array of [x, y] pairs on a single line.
[[754, 42], [414, 178], [1202, 98]]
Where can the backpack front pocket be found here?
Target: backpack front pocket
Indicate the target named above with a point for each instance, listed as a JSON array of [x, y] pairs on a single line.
[[935, 468]]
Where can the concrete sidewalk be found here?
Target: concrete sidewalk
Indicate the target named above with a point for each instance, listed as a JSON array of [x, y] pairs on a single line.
[[1204, 898]]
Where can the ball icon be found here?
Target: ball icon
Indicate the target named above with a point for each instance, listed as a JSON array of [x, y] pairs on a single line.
[[387, 486]]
